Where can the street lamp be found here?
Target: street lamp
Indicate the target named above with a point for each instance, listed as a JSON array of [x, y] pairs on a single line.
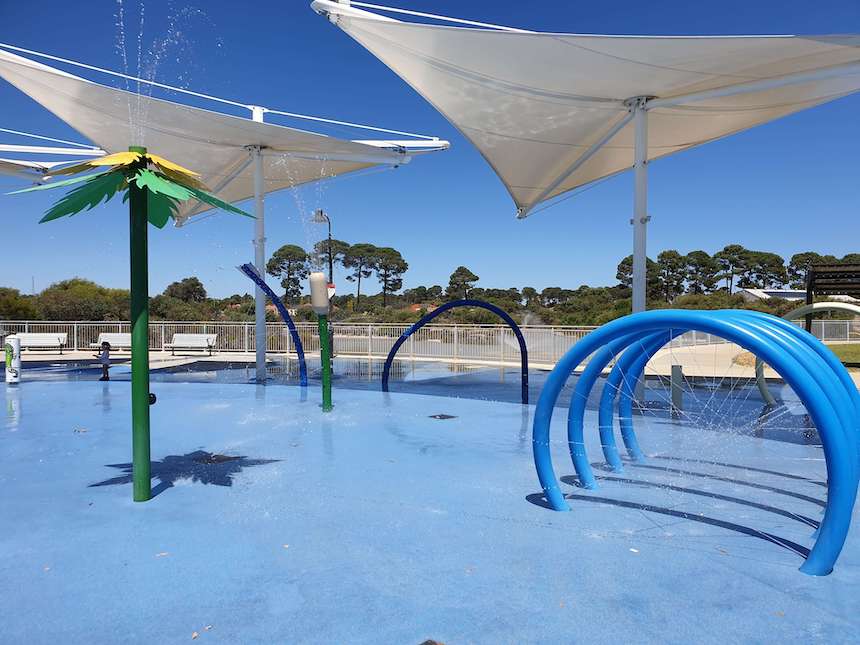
[[320, 217]]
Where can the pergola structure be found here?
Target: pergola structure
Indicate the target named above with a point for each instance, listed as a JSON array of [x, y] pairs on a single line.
[[552, 112], [239, 158], [831, 280]]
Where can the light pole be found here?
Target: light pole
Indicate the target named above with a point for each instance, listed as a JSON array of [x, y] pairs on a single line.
[[320, 217]]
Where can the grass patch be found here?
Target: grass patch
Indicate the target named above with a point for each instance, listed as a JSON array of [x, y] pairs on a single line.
[[845, 352]]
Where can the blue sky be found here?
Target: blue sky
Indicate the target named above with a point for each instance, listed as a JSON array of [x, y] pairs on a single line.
[[785, 187]]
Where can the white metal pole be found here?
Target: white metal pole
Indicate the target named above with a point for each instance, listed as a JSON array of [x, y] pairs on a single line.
[[640, 204], [259, 254]]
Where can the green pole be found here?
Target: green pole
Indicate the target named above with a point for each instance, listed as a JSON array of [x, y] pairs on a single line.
[[325, 359], [137, 211]]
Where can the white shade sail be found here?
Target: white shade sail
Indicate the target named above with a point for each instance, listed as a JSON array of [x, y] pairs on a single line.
[[550, 111], [213, 144], [32, 170]]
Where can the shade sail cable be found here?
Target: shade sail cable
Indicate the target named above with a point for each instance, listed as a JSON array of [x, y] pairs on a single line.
[[433, 16], [44, 138]]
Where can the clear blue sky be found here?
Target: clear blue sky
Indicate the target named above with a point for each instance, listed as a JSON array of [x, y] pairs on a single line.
[[785, 187]]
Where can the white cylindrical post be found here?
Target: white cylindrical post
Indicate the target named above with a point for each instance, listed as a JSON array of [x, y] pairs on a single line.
[[259, 253], [640, 204], [12, 350]]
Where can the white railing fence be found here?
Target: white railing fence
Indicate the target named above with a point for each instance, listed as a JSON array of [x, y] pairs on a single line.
[[479, 343]]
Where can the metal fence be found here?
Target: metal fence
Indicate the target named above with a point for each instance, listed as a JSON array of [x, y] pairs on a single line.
[[477, 343]]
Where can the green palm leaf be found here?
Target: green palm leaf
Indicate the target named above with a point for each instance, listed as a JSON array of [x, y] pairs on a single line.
[[160, 208], [159, 184], [97, 189], [58, 184], [210, 199]]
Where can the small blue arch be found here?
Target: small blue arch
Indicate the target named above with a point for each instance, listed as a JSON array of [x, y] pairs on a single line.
[[524, 354], [249, 270]]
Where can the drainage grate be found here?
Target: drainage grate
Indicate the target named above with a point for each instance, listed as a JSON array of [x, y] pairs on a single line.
[[208, 458], [442, 416]]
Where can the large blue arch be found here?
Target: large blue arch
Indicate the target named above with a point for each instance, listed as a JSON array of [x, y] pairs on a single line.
[[501, 313], [249, 270], [796, 358], [628, 370]]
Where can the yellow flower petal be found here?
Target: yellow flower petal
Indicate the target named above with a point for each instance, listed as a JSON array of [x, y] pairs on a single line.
[[165, 163], [116, 159]]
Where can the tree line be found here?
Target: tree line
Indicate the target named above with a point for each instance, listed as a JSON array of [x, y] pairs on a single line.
[[692, 280], [698, 272], [292, 264]]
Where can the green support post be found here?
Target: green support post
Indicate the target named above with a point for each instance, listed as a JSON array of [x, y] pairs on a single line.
[[325, 360], [138, 222]]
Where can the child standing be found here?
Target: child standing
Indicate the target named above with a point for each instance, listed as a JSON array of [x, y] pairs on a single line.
[[104, 359]]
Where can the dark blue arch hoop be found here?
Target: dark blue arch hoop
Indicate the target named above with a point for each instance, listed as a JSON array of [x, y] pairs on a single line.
[[524, 353], [249, 270], [793, 356]]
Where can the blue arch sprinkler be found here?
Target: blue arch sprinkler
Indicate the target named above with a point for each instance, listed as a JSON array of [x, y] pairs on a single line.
[[816, 376], [250, 271], [501, 313]]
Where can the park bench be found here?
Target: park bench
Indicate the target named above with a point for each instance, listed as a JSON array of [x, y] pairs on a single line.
[[192, 341], [46, 340], [117, 340]]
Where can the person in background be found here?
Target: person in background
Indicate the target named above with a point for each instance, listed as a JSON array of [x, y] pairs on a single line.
[[104, 359]]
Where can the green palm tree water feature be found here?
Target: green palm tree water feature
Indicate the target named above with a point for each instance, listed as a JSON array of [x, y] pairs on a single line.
[[320, 302], [154, 188]]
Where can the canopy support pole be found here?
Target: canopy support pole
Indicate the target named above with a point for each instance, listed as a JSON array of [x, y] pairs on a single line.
[[259, 254], [640, 203]]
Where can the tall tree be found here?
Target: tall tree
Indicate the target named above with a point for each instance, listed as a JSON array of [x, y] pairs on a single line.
[[416, 294], [760, 270], [14, 306], [361, 260], [851, 258], [672, 268], [187, 290], [79, 299], [531, 296], [290, 263], [799, 264], [624, 275], [702, 272], [435, 292], [731, 259], [338, 252], [769, 270], [390, 267], [460, 282]]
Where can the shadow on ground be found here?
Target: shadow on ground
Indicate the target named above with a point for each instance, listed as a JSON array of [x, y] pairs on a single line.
[[198, 466]]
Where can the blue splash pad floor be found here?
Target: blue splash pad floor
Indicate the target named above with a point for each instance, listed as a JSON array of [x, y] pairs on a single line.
[[379, 524]]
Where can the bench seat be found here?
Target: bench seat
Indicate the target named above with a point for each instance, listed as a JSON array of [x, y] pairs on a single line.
[[205, 342], [43, 340]]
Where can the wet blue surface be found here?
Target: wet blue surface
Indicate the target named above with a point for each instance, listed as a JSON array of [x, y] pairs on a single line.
[[718, 405], [380, 524]]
